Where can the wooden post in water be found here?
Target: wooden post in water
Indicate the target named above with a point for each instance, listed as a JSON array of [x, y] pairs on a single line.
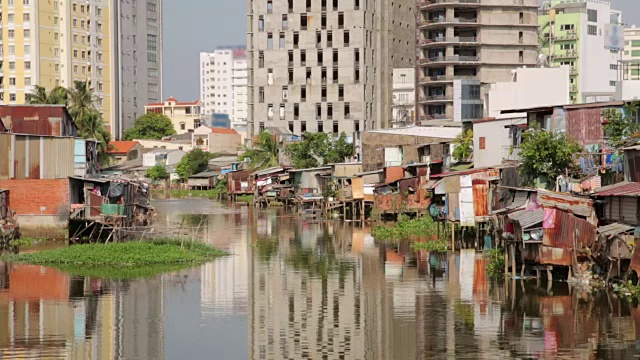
[[453, 237], [513, 260], [506, 259]]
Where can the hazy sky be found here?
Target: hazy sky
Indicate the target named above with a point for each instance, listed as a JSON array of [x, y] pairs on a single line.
[[192, 26]]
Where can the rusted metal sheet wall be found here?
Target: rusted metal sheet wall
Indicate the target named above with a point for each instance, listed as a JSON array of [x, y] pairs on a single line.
[[5, 156], [357, 186], [393, 173], [569, 230], [632, 165], [585, 125], [481, 197], [453, 204], [398, 203], [555, 256], [60, 165], [95, 205], [38, 120]]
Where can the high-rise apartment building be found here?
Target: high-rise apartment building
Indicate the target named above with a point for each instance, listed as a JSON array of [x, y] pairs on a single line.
[[115, 46], [54, 43], [326, 65], [223, 84], [138, 59], [582, 34], [466, 45], [631, 55]]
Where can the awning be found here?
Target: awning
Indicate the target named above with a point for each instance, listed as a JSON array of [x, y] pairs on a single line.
[[528, 219]]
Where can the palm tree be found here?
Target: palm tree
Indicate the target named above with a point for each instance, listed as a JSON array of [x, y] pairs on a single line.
[[92, 127], [81, 101], [264, 154], [57, 95]]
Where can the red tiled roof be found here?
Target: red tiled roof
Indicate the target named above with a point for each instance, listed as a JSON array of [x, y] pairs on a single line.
[[223, 131], [178, 103], [121, 147], [620, 189]]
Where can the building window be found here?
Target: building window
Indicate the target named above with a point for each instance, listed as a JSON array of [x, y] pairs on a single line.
[[566, 27], [270, 76], [483, 143], [303, 93], [152, 42], [260, 23], [269, 7], [613, 67], [12, 33], [270, 112], [12, 97], [12, 65], [183, 126], [12, 81], [592, 15], [269, 41], [261, 94], [347, 110], [592, 30], [296, 40], [27, 65], [303, 21], [26, 17], [346, 38], [281, 42], [635, 53], [285, 22], [612, 83], [567, 46]]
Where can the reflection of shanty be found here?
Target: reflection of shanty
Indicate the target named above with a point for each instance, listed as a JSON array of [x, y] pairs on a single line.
[[107, 209]]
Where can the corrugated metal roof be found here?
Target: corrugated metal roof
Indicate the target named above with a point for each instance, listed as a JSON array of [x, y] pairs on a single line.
[[572, 204], [519, 201], [621, 189], [528, 219], [205, 174], [311, 169], [268, 171], [614, 229], [431, 184]]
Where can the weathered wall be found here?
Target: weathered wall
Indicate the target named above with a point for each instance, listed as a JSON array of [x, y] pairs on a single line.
[[39, 203], [373, 145], [38, 120], [224, 143]]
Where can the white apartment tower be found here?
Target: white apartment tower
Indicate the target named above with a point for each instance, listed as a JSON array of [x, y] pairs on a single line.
[[223, 84], [137, 59], [326, 65]]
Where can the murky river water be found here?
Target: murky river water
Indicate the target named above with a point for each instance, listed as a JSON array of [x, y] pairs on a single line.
[[297, 289]]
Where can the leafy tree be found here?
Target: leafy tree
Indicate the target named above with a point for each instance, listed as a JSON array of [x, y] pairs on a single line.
[[621, 125], [546, 154], [57, 95], [195, 161], [157, 172], [264, 153], [92, 127], [317, 149], [463, 146], [150, 126]]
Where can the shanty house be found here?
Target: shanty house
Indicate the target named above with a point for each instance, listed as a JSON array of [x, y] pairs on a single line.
[[36, 119], [204, 180]]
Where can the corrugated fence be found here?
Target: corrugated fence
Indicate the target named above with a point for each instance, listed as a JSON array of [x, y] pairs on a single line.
[[36, 157]]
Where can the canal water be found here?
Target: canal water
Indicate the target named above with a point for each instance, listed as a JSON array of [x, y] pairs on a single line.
[[302, 289]]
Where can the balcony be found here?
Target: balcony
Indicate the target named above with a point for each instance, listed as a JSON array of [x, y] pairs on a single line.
[[436, 99], [442, 20], [510, 153], [445, 78], [429, 4], [450, 59], [567, 54], [444, 40]]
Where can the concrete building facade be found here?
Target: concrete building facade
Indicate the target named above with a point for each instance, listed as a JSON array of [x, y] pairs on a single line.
[[466, 44], [185, 116], [223, 84], [404, 94], [326, 65], [578, 34], [137, 60]]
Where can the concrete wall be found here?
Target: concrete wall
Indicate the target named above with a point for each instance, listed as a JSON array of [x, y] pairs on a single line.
[[373, 145], [169, 145], [496, 141], [530, 87], [224, 143], [627, 90]]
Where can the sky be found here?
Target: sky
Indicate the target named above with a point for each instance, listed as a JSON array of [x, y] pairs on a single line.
[[193, 26]]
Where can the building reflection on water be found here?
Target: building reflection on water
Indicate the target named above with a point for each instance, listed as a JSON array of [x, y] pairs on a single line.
[[303, 289]]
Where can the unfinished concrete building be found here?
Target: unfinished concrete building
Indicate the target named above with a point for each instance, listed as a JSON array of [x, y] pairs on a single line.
[[326, 65], [467, 44]]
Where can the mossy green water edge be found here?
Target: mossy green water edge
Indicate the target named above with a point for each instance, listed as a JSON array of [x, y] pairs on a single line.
[[123, 260]]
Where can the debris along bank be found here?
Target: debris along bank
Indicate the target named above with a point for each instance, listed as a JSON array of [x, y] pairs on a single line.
[[9, 228]]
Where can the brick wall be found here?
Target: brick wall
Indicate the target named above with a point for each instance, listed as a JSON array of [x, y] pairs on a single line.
[[29, 196]]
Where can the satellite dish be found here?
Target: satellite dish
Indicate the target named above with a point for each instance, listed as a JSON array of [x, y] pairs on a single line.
[[542, 61]]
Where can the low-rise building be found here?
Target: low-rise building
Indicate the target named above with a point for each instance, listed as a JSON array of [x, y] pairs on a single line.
[[123, 151], [185, 116], [396, 147], [217, 140], [493, 141]]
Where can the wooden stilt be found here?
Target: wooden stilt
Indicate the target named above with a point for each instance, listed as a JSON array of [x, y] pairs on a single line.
[[513, 259], [506, 260], [453, 237]]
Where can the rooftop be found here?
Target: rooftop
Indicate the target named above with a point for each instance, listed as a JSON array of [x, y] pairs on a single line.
[[567, 107], [424, 131], [624, 188], [177, 103], [121, 147]]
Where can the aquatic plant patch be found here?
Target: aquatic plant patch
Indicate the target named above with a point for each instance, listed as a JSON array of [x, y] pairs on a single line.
[[406, 228], [130, 254]]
